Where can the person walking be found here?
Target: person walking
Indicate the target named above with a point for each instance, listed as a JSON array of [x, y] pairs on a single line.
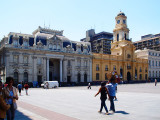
[[3, 105], [103, 91], [10, 95], [19, 86], [111, 86], [26, 86], [89, 85], [155, 82]]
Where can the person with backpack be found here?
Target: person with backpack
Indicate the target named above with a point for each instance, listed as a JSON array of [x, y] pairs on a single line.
[[103, 91]]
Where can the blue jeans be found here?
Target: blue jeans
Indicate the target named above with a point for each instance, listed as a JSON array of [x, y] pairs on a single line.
[[11, 113], [103, 104], [112, 103]]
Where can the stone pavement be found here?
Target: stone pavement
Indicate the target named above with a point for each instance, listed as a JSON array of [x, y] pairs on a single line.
[[135, 102]]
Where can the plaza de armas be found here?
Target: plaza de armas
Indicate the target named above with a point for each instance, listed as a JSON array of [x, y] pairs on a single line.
[[47, 55]]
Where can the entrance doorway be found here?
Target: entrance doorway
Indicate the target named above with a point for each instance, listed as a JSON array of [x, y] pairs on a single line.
[[50, 76], [69, 79], [79, 77], [54, 69], [39, 80], [85, 77], [128, 76]]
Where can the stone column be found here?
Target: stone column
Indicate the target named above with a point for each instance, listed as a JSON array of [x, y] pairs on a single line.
[[90, 70], [47, 69], [35, 68], [44, 69], [60, 70], [6, 65]]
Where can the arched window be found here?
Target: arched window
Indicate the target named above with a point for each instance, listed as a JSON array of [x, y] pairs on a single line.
[[50, 46], [15, 42], [25, 77], [58, 47], [125, 36], [117, 37], [16, 78], [54, 47]]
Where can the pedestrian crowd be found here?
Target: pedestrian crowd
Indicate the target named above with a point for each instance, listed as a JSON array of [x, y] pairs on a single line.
[[8, 97]]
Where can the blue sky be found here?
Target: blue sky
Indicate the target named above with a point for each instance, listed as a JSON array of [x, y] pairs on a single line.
[[77, 16]]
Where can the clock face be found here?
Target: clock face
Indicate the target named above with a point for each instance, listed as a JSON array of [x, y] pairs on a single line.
[[118, 21], [124, 22]]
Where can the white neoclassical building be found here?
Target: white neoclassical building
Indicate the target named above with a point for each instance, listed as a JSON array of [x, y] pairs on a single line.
[[153, 57], [45, 55]]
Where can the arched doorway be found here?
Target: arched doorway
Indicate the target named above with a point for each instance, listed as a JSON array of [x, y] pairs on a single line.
[[16, 76], [128, 76], [85, 77], [25, 77]]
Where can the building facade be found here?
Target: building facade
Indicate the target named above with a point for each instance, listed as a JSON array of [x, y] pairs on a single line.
[[122, 59], [153, 57], [148, 41], [100, 42], [45, 55]]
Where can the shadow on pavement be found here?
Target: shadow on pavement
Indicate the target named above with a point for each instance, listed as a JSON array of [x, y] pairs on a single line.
[[122, 112], [20, 116]]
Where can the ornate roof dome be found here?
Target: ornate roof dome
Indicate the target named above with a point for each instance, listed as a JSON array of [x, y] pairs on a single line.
[[121, 13]]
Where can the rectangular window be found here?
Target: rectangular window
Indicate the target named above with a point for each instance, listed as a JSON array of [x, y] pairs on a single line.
[[156, 74], [149, 73], [25, 59], [159, 63], [106, 68], [97, 76], [97, 67], [106, 78], [85, 63], [152, 63], [15, 43], [15, 58], [140, 76], [69, 63], [153, 73], [156, 63], [114, 67], [39, 61], [79, 63], [149, 62], [146, 76], [140, 70], [155, 54]]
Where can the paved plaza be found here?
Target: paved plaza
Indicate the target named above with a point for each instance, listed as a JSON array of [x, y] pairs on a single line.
[[135, 102]]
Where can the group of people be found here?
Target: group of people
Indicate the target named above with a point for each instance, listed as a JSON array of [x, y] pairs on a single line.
[[110, 90], [20, 87], [8, 97]]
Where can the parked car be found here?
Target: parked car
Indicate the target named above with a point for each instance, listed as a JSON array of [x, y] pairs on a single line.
[[51, 84]]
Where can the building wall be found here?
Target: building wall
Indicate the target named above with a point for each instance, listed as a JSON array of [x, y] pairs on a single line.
[[56, 47], [153, 62], [110, 60]]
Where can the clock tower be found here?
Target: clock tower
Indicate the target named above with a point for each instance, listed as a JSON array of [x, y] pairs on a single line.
[[120, 35]]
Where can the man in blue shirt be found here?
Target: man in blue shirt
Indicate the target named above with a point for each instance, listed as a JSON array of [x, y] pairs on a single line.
[[111, 86], [19, 86]]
